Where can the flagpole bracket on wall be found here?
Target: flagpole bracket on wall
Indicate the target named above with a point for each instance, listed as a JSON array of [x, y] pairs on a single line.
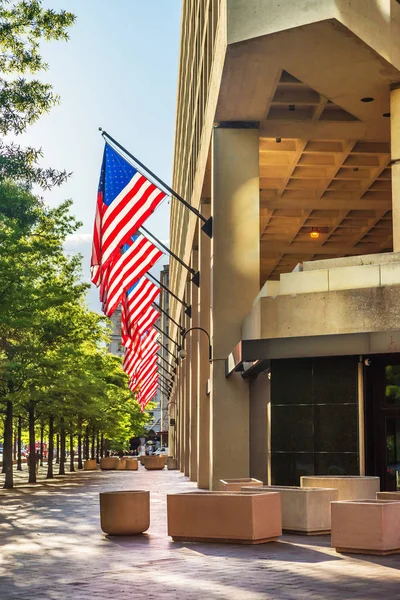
[[207, 223]]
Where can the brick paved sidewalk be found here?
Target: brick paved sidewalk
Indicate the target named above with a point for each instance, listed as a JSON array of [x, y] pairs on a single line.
[[52, 548]]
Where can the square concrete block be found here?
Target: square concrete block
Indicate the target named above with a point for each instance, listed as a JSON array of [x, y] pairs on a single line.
[[230, 517], [154, 463], [304, 510], [351, 278], [235, 485], [390, 274], [350, 487], [121, 464], [90, 465], [172, 463], [132, 464], [366, 527], [303, 282], [125, 513], [388, 496], [109, 463]]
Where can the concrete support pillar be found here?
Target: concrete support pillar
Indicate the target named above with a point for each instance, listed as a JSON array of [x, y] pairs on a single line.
[[192, 341], [203, 400], [395, 152], [235, 273], [187, 389], [181, 419]]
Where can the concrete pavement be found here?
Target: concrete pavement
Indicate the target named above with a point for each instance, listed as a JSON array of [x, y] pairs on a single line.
[[52, 548]]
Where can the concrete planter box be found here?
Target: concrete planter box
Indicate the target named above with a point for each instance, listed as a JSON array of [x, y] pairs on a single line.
[[125, 513], [90, 465], [121, 464], [388, 496], [141, 459], [132, 464], [366, 527], [235, 485], [109, 464], [304, 510], [152, 463], [172, 463], [350, 487], [237, 517]]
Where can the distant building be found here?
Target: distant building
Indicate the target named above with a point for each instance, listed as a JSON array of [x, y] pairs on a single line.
[[115, 346]]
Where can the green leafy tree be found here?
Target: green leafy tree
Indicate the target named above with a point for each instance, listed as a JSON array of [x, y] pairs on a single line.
[[24, 24]]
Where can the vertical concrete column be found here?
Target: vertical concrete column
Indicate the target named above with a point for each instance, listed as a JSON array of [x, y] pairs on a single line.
[[395, 152], [181, 419], [187, 388], [192, 338], [203, 400], [235, 273]]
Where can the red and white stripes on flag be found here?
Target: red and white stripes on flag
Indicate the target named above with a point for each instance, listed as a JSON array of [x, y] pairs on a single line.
[[134, 304], [127, 269], [140, 297]]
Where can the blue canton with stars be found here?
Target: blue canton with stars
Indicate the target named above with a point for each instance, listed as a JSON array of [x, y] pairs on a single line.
[[115, 174]]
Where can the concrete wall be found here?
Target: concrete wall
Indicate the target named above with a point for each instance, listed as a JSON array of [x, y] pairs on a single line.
[[376, 22]]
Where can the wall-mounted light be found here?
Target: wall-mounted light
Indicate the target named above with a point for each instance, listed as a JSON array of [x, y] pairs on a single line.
[[314, 233]]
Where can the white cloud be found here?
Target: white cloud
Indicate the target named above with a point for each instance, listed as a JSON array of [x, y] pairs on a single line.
[[79, 238]]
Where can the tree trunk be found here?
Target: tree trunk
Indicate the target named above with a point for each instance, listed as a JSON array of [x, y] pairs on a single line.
[[98, 447], [58, 449], [41, 443], [7, 447], [87, 443], [80, 464], [32, 452], [62, 447], [71, 451], [50, 453], [19, 444], [15, 446], [102, 446], [92, 453]]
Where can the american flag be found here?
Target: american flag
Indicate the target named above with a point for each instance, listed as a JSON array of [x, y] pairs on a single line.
[[129, 267], [125, 199], [134, 303]]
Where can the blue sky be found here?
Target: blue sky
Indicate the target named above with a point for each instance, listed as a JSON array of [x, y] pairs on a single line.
[[118, 71]]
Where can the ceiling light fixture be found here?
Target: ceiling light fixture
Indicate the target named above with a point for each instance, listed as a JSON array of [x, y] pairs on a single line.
[[386, 115], [314, 233], [367, 99]]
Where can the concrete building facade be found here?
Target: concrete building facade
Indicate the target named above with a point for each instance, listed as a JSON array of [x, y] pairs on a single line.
[[288, 135]]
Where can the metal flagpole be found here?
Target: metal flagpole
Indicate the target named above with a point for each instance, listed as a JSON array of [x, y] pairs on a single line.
[[188, 309], [165, 381], [196, 276], [167, 372], [166, 335], [207, 223], [168, 317], [165, 360]]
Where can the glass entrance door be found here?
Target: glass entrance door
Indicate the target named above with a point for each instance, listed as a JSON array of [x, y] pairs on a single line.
[[383, 420], [392, 440]]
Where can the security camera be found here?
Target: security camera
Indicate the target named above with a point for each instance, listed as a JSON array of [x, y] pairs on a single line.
[[367, 362], [182, 354]]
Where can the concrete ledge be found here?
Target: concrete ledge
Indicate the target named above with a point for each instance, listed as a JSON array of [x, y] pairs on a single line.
[[304, 510], [236, 517], [304, 283], [235, 485], [350, 487], [125, 513], [366, 527], [351, 278]]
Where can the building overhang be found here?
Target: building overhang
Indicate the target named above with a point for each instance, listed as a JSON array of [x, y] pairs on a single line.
[[252, 354]]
